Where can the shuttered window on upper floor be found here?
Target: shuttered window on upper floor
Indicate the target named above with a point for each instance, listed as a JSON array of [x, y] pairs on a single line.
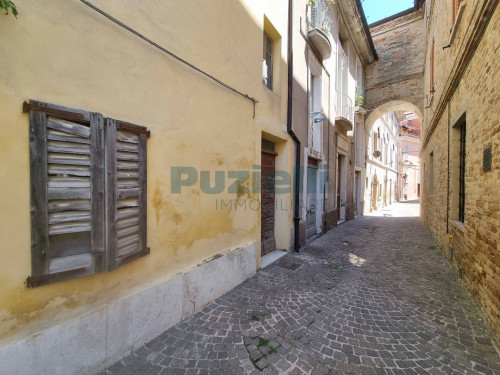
[[454, 11], [431, 75], [88, 193]]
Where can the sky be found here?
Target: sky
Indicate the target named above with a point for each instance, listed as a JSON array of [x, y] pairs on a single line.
[[376, 10]]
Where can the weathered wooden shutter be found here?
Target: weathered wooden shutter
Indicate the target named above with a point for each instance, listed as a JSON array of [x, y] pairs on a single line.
[[67, 193], [454, 11], [126, 174], [432, 67]]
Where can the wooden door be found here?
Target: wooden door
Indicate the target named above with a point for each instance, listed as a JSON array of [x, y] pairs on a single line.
[[268, 242]]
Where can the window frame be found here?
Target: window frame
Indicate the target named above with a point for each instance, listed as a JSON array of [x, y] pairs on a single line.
[[430, 182], [268, 80], [461, 167]]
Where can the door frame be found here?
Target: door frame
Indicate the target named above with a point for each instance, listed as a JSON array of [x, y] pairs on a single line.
[[341, 171]]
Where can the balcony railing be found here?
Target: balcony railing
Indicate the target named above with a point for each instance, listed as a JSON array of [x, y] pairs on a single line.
[[319, 22], [344, 107], [320, 17]]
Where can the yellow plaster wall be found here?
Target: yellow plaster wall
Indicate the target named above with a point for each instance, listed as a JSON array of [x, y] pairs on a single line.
[[62, 52]]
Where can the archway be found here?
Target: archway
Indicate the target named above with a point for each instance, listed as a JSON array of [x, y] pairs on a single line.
[[388, 128], [397, 77], [391, 106]]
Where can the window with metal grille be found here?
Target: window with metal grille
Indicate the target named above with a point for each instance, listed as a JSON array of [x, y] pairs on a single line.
[[461, 207], [267, 63]]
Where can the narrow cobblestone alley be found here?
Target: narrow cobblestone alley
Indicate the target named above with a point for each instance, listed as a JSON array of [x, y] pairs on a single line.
[[373, 296]]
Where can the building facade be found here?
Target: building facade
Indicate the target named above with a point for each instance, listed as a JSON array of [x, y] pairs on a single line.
[[132, 181], [461, 141], [381, 185], [323, 80], [409, 164]]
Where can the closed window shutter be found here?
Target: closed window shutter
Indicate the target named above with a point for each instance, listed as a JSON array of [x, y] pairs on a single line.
[[126, 174], [67, 193], [432, 67], [454, 11]]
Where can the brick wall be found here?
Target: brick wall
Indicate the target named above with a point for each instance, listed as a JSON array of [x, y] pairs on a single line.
[[397, 75], [467, 82]]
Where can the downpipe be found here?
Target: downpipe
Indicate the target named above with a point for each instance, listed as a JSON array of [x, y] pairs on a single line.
[[289, 129]]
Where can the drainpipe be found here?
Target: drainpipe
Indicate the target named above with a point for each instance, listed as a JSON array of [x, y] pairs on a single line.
[[289, 128], [326, 186], [337, 162]]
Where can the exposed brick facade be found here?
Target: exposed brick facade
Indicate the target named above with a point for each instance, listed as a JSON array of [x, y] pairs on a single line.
[[467, 81], [397, 75]]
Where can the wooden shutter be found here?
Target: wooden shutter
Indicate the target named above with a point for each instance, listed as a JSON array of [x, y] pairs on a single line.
[[454, 11], [126, 174], [67, 193], [432, 67]]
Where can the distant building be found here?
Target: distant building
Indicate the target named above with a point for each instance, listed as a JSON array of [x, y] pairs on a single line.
[[409, 163], [382, 163]]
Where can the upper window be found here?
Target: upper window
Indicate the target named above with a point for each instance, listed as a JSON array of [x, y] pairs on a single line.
[[267, 63], [88, 193]]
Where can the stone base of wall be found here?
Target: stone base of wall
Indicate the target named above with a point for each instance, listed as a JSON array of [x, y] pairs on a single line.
[[302, 233], [350, 211], [329, 220], [91, 342]]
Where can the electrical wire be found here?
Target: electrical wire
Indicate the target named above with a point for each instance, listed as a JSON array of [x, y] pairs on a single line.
[[108, 16]]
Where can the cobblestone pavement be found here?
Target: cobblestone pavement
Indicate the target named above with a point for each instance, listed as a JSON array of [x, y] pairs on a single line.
[[373, 296]]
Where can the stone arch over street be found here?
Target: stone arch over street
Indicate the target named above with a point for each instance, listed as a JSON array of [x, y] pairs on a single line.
[[391, 106], [395, 81]]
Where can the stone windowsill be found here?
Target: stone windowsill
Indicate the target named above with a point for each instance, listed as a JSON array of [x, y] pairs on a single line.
[[360, 109], [459, 225]]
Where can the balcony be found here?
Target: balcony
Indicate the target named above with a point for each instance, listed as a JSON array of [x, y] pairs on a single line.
[[344, 111], [360, 101], [318, 30]]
